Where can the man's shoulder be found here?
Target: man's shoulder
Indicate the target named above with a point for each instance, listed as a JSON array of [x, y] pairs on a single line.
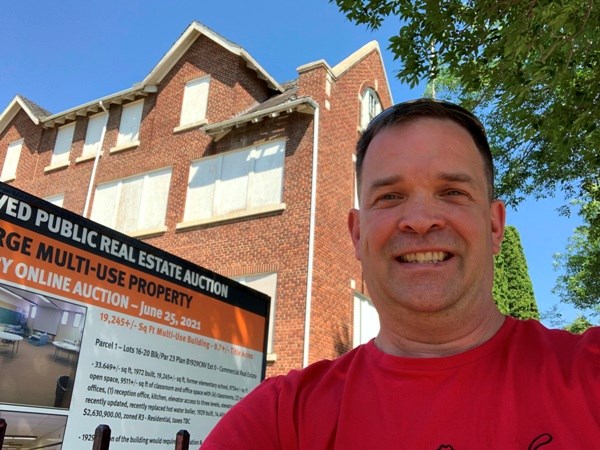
[[534, 335], [532, 326]]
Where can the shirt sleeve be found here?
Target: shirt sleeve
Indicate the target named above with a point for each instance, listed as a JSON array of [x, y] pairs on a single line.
[[251, 424]]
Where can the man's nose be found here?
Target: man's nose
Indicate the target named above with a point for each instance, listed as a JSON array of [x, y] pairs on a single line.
[[420, 214]]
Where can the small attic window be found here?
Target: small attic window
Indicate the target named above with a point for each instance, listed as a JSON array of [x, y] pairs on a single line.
[[195, 101], [370, 106]]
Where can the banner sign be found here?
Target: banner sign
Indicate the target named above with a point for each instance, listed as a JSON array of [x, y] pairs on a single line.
[[97, 327]]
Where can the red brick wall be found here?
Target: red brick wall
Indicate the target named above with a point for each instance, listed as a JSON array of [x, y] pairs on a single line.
[[335, 264], [277, 242], [22, 127]]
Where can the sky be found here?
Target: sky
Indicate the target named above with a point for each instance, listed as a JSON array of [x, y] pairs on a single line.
[[63, 54]]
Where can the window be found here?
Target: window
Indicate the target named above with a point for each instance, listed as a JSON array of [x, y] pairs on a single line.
[[13, 153], [248, 181], [366, 320], [195, 100], [370, 106], [129, 127], [77, 320], [65, 318], [57, 199], [267, 284], [62, 147], [94, 135], [133, 205]]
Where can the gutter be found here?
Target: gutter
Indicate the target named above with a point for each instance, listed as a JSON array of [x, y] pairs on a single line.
[[88, 197], [219, 129], [311, 238]]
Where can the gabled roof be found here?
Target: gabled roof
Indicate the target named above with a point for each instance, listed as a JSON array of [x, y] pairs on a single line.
[[40, 116], [184, 42], [288, 101], [339, 69], [35, 112]]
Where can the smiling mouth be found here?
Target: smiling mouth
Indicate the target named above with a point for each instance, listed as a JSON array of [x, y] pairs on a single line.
[[424, 257]]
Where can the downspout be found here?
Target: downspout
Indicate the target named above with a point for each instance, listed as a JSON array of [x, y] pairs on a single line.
[[311, 237], [95, 166]]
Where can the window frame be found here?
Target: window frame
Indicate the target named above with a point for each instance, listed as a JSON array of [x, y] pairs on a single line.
[[11, 160], [272, 306], [56, 199], [193, 214], [124, 143], [360, 335], [64, 144], [188, 116], [370, 106], [147, 199], [96, 146]]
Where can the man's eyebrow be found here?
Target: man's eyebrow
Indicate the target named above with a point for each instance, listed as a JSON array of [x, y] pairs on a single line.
[[384, 182], [457, 177]]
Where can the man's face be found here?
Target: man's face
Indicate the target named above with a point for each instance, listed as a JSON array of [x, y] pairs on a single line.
[[426, 231]]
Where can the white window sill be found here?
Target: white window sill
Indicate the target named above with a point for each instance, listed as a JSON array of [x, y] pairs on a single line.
[[271, 357], [9, 178], [125, 146], [55, 167], [189, 126], [264, 210], [84, 158], [148, 232]]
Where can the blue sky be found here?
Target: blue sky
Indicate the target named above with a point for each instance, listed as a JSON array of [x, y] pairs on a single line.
[[63, 54]]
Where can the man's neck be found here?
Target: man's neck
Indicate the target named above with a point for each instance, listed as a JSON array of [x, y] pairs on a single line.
[[433, 337]]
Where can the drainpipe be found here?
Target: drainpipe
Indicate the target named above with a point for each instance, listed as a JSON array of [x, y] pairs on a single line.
[[311, 237], [95, 166]]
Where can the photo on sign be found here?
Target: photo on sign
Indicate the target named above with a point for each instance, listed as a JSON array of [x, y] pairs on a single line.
[[40, 338], [30, 430]]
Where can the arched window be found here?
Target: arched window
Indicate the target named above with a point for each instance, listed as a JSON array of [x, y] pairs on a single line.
[[370, 106]]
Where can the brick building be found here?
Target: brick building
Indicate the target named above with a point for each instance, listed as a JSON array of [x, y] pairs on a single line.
[[211, 159]]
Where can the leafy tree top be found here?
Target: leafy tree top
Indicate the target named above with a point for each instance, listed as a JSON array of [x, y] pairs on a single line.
[[530, 70]]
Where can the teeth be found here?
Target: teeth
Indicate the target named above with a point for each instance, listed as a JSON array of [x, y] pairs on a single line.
[[427, 257]]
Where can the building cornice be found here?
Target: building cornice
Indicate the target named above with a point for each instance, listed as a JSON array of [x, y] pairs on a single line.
[[303, 105]]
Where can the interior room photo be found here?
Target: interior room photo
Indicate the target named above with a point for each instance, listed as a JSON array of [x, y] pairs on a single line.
[[40, 340], [28, 431]]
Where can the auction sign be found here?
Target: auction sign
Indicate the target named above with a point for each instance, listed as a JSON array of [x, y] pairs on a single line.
[[101, 328]]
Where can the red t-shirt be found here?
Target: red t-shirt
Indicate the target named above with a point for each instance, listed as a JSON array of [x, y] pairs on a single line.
[[526, 388]]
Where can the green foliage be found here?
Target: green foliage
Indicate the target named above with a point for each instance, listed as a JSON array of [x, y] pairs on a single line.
[[580, 284], [513, 291], [529, 69], [579, 325]]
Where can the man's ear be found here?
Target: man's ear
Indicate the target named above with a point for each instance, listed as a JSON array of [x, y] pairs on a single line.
[[354, 228], [498, 216]]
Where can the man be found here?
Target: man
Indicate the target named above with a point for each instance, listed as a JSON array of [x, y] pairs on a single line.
[[447, 369]]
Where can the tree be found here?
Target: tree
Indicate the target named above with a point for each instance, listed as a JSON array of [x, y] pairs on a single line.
[[513, 291], [531, 72], [529, 69], [579, 284], [579, 325]]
